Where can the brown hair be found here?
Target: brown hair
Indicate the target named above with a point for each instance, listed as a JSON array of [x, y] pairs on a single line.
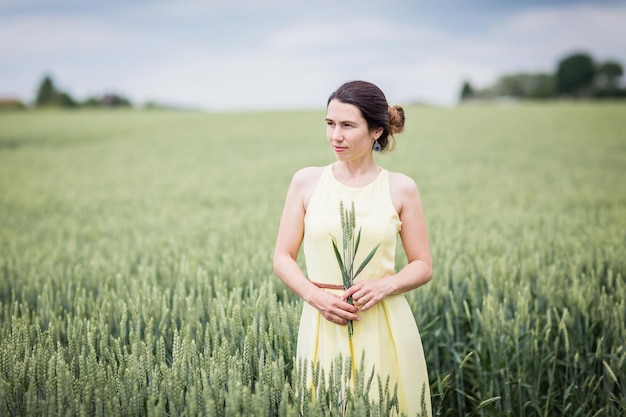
[[371, 101]]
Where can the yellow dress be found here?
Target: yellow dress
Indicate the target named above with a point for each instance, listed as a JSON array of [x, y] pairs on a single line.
[[386, 334]]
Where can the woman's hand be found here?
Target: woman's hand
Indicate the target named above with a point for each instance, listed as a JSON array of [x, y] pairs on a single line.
[[366, 294], [333, 308]]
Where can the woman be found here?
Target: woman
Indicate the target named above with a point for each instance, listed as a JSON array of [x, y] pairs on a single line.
[[359, 122]]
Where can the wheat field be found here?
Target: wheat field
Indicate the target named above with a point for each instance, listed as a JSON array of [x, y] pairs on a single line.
[[136, 277]]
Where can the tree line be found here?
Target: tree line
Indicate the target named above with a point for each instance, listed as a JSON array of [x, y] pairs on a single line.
[[48, 95], [577, 76]]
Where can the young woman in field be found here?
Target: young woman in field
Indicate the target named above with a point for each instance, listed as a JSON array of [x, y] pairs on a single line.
[[359, 122]]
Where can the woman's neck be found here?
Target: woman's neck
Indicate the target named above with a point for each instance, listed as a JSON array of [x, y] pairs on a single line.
[[353, 172]]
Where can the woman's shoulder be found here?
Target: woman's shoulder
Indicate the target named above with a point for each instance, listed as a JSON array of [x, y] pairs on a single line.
[[403, 190], [401, 182], [306, 176], [304, 182]]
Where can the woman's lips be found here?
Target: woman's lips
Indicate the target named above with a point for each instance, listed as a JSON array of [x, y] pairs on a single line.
[[339, 148]]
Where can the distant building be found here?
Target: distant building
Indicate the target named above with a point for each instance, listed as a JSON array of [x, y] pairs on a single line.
[[9, 103]]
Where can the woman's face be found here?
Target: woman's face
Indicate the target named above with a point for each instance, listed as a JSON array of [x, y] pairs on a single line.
[[347, 131]]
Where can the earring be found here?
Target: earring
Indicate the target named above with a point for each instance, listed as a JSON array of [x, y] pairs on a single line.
[[377, 146]]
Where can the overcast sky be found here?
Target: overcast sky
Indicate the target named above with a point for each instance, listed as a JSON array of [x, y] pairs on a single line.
[[282, 54]]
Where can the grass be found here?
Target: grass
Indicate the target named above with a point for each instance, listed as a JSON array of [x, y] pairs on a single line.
[[135, 261]]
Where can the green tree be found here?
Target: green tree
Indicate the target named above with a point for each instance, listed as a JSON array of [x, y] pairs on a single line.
[[525, 85], [574, 75], [467, 91], [65, 100], [107, 100], [608, 75], [46, 94], [115, 100]]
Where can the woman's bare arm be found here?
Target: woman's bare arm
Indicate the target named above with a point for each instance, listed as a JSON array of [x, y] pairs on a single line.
[[413, 234], [288, 242]]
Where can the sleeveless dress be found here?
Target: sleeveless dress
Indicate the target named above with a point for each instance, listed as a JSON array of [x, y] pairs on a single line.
[[386, 334]]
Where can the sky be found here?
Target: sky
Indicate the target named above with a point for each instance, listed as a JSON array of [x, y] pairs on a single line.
[[291, 54]]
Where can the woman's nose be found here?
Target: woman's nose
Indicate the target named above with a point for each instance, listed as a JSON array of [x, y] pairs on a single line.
[[337, 134]]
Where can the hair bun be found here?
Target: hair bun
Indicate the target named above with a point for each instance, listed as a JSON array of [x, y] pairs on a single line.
[[396, 119]]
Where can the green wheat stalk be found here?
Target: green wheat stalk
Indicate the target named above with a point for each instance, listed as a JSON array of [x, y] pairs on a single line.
[[349, 249]]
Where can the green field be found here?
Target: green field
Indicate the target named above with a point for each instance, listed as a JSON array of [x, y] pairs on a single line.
[[136, 276]]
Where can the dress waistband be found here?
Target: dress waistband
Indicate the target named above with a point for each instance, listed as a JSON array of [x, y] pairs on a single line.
[[328, 286]]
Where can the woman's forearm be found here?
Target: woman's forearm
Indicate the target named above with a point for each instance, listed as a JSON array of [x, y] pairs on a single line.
[[413, 275], [289, 272]]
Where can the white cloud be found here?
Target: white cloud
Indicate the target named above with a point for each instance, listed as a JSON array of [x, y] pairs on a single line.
[[297, 61], [43, 35], [550, 33], [422, 63]]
